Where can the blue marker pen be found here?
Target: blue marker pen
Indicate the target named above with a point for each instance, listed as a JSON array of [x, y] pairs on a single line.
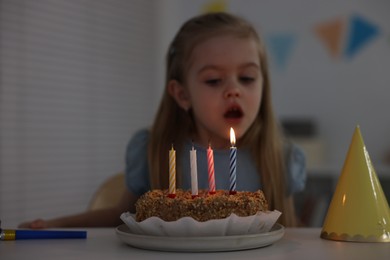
[[15, 234], [8, 234]]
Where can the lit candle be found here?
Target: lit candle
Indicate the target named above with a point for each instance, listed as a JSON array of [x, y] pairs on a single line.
[[233, 162], [194, 173], [172, 173], [210, 164]]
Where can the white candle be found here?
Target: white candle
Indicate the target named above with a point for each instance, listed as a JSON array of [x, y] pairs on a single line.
[[194, 173]]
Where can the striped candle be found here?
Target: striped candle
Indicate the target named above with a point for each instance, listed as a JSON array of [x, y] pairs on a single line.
[[194, 173], [172, 173], [210, 164], [233, 162]]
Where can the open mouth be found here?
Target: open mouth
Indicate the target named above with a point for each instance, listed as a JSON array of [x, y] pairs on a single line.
[[233, 113]]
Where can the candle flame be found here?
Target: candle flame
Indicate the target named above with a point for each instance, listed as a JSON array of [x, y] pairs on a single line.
[[232, 137]]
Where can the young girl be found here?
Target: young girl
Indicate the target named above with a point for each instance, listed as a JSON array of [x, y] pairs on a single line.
[[217, 78]]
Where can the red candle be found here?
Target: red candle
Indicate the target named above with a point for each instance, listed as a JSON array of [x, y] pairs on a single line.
[[210, 164]]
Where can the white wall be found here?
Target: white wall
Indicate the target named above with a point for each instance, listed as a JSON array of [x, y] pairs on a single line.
[[77, 80]]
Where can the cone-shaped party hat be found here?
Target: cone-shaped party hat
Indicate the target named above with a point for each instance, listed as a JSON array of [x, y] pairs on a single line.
[[359, 210]]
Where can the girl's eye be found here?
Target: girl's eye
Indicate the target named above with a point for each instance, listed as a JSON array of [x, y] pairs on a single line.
[[213, 82], [246, 80]]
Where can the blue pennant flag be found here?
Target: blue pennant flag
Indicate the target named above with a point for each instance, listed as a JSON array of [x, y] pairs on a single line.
[[280, 48], [361, 33]]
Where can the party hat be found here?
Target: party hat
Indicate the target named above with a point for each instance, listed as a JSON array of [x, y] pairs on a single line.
[[359, 210]]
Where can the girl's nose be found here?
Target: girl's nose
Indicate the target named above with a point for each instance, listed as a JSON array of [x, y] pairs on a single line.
[[232, 90]]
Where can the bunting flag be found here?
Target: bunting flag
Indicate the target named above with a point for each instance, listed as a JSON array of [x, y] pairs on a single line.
[[342, 37], [331, 35], [334, 33], [361, 33], [215, 6], [280, 47]]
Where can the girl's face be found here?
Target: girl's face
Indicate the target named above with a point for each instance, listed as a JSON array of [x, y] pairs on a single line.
[[224, 88]]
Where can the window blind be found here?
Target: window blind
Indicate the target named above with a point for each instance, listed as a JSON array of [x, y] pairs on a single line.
[[76, 82]]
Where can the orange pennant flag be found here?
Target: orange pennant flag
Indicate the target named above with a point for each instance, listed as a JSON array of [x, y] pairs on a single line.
[[330, 33]]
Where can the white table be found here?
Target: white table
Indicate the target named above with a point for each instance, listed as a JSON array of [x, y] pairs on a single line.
[[103, 243]]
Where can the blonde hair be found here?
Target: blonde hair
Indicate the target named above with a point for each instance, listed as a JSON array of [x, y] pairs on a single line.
[[174, 125]]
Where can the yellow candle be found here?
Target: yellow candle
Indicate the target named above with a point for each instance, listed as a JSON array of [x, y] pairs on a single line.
[[172, 173]]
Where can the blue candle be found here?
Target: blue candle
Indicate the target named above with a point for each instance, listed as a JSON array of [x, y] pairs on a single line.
[[233, 162]]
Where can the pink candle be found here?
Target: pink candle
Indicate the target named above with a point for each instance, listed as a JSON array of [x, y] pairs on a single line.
[[210, 164]]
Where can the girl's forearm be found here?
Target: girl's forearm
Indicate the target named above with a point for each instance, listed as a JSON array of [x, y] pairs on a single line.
[[96, 218]]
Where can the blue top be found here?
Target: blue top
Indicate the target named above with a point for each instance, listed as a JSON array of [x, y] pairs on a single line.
[[137, 170]]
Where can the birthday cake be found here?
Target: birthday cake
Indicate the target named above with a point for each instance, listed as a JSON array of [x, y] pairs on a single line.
[[205, 206]]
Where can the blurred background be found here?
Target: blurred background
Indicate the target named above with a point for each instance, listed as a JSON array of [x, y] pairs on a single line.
[[78, 78]]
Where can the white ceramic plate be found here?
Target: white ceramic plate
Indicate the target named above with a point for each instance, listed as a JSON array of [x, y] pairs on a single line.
[[188, 227], [200, 244]]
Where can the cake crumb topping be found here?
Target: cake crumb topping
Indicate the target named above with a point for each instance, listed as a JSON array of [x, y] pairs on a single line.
[[202, 208]]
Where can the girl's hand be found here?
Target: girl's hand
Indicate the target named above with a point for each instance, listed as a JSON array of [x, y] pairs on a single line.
[[36, 224]]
